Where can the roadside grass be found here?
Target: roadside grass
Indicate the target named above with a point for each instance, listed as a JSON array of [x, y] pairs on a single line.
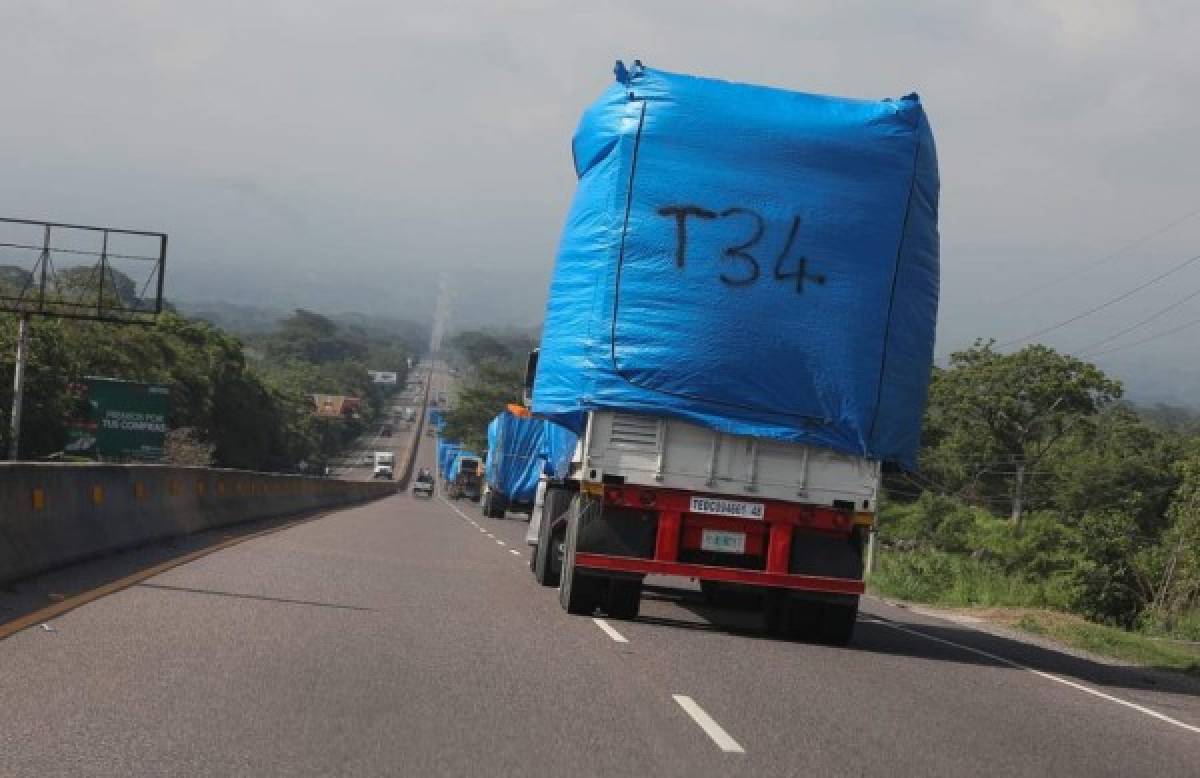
[[940, 578], [1036, 607], [1077, 632]]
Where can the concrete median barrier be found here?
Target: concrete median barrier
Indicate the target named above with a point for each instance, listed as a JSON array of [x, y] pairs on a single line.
[[55, 514]]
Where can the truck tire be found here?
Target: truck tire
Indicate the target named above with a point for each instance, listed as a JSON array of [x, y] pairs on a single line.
[[790, 618], [499, 506], [578, 593], [624, 598], [836, 625], [547, 563]]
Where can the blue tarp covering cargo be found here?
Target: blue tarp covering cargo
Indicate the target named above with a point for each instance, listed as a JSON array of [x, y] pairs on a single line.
[[558, 444], [446, 453], [436, 419], [518, 451], [456, 464], [758, 261]]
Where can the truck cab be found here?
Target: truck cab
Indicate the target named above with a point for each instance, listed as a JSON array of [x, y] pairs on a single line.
[[385, 465], [465, 480]]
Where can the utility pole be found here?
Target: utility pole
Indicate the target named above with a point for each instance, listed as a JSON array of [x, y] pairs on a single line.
[[14, 431]]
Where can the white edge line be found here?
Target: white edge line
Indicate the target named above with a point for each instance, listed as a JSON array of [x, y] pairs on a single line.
[[514, 551], [500, 543], [723, 739], [610, 631], [1048, 676]]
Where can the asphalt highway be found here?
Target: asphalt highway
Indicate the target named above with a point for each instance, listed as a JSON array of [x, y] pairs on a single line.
[[407, 637]]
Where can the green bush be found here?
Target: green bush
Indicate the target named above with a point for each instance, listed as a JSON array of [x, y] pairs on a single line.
[[952, 579]]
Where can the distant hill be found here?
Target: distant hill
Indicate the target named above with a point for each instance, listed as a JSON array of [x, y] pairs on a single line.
[[253, 320]]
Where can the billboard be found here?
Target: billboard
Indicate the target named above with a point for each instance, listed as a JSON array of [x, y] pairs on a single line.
[[120, 419], [383, 377]]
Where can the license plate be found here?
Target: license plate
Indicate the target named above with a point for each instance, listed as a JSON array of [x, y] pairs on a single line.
[[726, 542], [736, 508]]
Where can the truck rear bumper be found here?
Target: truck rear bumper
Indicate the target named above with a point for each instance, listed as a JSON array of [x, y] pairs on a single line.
[[810, 583]]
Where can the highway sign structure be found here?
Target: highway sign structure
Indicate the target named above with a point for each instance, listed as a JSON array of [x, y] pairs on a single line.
[[75, 271]]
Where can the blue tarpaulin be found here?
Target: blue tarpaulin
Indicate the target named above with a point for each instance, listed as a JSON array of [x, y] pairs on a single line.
[[759, 261], [446, 452], [457, 463], [558, 444], [519, 449]]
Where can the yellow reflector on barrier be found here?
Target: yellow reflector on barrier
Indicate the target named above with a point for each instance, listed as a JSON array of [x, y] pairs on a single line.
[[38, 498], [97, 495]]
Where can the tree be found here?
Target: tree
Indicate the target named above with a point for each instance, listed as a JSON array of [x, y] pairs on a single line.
[[483, 395], [994, 417], [314, 338], [1114, 461]]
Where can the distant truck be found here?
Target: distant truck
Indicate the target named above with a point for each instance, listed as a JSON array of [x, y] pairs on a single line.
[[463, 479], [385, 465], [518, 448], [737, 360]]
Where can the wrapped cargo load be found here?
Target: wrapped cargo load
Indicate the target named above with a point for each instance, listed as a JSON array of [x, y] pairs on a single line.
[[446, 452], [757, 261], [558, 444], [519, 450], [456, 463]]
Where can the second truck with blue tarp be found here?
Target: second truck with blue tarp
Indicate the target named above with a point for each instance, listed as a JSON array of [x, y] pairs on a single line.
[[519, 448]]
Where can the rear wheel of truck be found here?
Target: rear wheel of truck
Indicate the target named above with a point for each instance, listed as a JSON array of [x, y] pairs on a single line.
[[624, 598], [547, 559], [836, 626], [788, 617], [578, 592]]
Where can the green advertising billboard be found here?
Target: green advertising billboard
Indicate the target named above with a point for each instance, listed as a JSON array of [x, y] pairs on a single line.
[[123, 420]]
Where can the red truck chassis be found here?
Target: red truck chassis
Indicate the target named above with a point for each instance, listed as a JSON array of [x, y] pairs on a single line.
[[680, 529]]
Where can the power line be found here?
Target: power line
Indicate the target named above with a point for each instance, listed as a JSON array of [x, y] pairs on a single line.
[[1157, 314], [1156, 336], [1111, 301], [1104, 259]]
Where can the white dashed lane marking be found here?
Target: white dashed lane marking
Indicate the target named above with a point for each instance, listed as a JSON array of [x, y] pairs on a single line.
[[723, 739]]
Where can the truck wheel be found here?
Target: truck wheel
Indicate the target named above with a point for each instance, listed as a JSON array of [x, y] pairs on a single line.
[[578, 593], [836, 626], [498, 506], [547, 561], [624, 598], [787, 617]]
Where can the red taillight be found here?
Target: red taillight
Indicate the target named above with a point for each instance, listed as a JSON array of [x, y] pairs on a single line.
[[647, 499]]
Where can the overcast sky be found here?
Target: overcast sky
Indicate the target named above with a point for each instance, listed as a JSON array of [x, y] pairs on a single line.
[[338, 154]]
